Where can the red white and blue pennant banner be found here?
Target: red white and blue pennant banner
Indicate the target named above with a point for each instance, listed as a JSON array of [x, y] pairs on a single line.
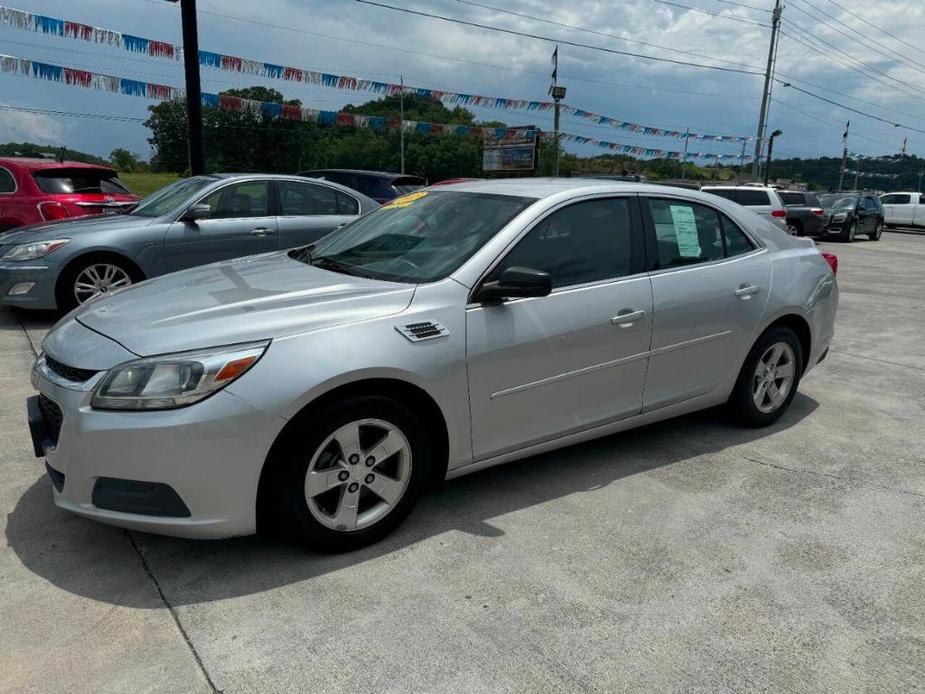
[[162, 92], [160, 49]]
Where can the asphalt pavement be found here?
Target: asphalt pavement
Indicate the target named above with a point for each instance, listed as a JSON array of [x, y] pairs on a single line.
[[690, 554]]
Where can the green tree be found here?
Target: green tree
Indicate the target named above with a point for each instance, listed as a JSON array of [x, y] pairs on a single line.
[[126, 162]]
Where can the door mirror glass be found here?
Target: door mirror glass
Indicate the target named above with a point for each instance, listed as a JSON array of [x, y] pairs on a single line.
[[202, 210], [516, 283]]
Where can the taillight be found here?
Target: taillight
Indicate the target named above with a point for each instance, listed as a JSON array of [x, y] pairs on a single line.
[[832, 260], [818, 211], [778, 213], [51, 211]]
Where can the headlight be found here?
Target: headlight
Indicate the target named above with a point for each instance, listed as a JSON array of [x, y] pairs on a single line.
[[33, 251], [170, 381], [840, 217]]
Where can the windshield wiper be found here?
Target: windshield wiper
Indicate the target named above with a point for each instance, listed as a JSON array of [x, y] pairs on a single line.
[[329, 263]]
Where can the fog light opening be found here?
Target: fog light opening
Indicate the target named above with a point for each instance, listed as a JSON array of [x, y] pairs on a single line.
[[21, 288]]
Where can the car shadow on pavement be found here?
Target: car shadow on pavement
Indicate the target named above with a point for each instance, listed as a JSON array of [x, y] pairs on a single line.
[[66, 550]]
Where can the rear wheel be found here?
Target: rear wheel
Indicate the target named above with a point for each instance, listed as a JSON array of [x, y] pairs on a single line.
[[348, 476], [91, 277], [877, 232], [794, 227], [769, 378]]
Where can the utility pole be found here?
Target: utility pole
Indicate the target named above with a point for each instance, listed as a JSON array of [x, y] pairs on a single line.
[[766, 95], [401, 122], [844, 158], [767, 163], [687, 136], [558, 93], [197, 165], [741, 161]]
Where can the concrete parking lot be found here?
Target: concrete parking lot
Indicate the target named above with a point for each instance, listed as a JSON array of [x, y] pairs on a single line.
[[687, 555]]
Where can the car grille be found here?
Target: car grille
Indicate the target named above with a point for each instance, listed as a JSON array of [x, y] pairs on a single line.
[[53, 418], [69, 373]]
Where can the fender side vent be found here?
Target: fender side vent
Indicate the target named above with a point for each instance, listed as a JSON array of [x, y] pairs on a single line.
[[426, 330]]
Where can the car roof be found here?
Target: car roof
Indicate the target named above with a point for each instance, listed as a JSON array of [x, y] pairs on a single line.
[[547, 187], [738, 187], [36, 163], [380, 174]]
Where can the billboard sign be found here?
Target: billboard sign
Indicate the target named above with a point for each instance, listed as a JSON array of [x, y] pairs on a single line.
[[516, 151]]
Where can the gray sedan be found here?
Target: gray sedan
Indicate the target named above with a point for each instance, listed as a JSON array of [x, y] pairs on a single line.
[[320, 390], [191, 222]]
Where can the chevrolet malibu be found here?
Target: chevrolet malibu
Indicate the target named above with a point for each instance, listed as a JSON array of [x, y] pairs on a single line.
[[319, 390]]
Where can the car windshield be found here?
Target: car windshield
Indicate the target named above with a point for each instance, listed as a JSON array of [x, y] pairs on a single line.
[[165, 200], [835, 201], [421, 237]]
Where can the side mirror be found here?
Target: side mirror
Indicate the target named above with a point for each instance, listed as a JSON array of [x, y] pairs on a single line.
[[202, 210], [516, 283]]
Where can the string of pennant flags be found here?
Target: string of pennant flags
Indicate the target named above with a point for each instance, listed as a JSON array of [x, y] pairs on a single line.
[[161, 92], [862, 174], [21, 19]]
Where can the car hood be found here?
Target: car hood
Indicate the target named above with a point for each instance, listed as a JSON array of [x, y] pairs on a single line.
[[241, 300], [68, 228]]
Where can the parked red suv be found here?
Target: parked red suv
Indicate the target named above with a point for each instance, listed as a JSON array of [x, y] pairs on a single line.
[[41, 190]]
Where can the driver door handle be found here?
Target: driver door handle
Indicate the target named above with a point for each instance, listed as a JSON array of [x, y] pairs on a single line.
[[745, 291], [626, 318], [261, 231]]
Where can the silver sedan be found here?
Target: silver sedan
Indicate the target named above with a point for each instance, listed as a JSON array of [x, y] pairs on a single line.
[[320, 390], [191, 222]]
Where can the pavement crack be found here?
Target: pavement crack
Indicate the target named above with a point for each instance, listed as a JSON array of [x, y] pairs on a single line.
[[882, 361], [22, 326], [173, 612]]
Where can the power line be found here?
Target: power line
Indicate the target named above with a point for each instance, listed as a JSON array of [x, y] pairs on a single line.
[[712, 14], [871, 24], [742, 4], [858, 39], [549, 39], [601, 33]]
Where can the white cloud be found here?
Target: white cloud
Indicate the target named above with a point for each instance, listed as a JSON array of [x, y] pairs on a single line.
[[19, 126]]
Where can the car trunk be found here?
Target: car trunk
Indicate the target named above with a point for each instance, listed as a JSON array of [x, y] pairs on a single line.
[[74, 192]]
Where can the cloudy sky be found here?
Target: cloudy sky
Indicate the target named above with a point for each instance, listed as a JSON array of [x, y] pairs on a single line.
[[827, 49]]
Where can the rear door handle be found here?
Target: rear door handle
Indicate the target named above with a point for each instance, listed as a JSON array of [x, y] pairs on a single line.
[[745, 291], [626, 318], [261, 231]]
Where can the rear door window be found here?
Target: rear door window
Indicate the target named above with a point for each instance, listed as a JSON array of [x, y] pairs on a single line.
[[897, 199], [306, 199], [737, 242], [686, 233], [7, 182], [63, 180]]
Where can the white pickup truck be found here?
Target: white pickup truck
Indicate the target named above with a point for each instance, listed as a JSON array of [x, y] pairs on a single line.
[[903, 209]]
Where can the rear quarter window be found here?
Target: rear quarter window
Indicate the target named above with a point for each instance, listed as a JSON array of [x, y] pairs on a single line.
[[752, 198], [7, 182], [792, 198]]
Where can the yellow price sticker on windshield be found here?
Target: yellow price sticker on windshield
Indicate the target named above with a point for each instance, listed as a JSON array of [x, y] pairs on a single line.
[[405, 200]]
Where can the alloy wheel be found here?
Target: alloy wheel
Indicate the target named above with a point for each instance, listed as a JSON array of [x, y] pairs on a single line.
[[773, 377], [99, 278], [852, 230], [358, 474]]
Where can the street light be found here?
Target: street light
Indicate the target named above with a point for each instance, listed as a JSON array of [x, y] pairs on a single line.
[[767, 164]]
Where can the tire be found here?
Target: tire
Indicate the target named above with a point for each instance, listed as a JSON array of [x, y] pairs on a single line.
[[851, 231], [65, 291], [743, 403], [877, 232], [794, 227], [313, 448]]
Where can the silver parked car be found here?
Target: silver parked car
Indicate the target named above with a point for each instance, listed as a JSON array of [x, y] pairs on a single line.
[[193, 221], [319, 390]]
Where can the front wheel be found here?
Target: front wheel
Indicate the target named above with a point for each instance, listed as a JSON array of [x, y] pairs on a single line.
[[769, 378], [348, 476], [92, 277], [852, 231], [877, 232]]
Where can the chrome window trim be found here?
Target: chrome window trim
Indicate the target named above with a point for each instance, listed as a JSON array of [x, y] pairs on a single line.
[[15, 182], [530, 227], [708, 263]]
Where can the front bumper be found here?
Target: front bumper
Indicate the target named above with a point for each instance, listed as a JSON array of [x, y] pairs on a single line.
[[208, 455], [42, 277]]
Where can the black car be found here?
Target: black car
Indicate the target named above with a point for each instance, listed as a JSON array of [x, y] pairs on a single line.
[[805, 216], [381, 186], [849, 214]]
